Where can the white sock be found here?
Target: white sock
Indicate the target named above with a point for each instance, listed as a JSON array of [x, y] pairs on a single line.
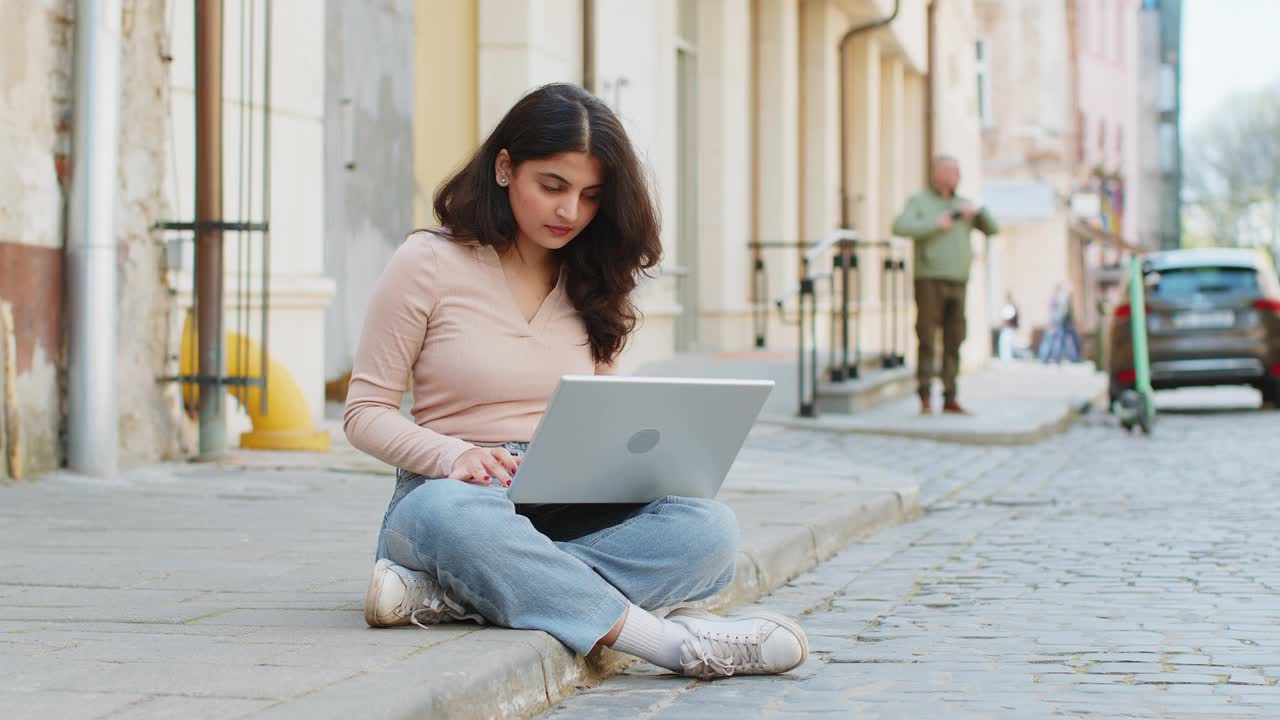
[[652, 639]]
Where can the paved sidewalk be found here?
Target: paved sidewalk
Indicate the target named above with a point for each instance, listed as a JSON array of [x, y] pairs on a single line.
[[1013, 403], [234, 590]]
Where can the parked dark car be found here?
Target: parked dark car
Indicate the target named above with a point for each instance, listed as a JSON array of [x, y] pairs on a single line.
[[1213, 318]]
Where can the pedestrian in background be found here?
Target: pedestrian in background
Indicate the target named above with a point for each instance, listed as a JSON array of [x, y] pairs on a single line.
[[940, 222], [544, 233], [1007, 339], [1060, 338]]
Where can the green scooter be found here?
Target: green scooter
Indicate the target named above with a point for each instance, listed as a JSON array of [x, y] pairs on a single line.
[[1138, 406]]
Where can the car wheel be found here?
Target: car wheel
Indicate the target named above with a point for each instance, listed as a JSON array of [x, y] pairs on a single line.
[[1270, 394]]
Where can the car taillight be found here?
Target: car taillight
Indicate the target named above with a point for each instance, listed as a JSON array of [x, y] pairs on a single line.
[[1268, 305], [1275, 370], [1123, 312], [1127, 377]]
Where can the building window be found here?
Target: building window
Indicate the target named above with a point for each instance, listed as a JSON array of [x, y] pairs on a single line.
[[983, 64]]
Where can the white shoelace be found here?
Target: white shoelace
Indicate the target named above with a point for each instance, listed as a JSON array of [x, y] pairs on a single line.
[[420, 600], [716, 654]]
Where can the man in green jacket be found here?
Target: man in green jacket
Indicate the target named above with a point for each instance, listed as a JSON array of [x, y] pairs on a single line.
[[940, 222]]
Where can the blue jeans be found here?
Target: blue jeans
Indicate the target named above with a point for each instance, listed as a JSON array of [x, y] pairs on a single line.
[[1060, 341], [569, 570]]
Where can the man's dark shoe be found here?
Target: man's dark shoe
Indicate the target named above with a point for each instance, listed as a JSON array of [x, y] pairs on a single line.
[[926, 407], [951, 407]]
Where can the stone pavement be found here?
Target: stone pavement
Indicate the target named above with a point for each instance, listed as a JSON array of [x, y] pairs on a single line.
[[1098, 574], [1013, 402]]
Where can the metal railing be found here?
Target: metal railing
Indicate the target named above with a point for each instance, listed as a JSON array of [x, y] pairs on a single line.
[[894, 293], [845, 284]]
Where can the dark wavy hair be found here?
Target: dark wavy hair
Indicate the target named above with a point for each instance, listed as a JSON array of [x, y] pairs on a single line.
[[605, 261]]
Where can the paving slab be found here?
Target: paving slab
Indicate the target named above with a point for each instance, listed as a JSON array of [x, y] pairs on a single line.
[[235, 589]]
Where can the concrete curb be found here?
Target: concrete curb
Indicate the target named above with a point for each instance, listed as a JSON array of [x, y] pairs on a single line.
[[795, 549], [537, 671]]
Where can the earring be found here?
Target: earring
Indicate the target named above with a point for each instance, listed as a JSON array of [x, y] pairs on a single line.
[[502, 181]]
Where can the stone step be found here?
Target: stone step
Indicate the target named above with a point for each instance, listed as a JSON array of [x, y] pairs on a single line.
[[873, 387]]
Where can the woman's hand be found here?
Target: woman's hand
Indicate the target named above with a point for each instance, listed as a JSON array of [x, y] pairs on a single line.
[[478, 465]]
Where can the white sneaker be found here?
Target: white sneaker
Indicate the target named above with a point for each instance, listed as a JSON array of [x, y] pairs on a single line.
[[763, 643], [399, 596]]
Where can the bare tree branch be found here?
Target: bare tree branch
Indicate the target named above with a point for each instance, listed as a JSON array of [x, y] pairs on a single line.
[[1233, 169]]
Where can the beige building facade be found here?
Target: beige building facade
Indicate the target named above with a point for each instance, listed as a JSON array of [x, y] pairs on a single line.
[[1028, 150], [735, 105], [1058, 80]]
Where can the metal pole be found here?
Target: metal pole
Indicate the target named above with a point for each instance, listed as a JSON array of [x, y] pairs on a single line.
[[900, 331], [886, 352], [759, 310], [1141, 359], [268, 11], [893, 310], [92, 445], [802, 382], [588, 45], [833, 363], [857, 317], [208, 267], [844, 311], [813, 350], [809, 400]]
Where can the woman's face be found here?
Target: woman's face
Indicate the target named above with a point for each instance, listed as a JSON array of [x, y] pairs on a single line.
[[553, 198]]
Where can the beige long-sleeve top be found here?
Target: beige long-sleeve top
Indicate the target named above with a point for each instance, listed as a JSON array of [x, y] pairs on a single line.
[[443, 313]]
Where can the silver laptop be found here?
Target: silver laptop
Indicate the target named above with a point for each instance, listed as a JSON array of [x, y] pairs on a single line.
[[620, 439]]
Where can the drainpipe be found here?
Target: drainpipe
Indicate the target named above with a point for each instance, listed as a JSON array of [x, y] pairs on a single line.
[[12, 437], [932, 57], [840, 55], [753, 67], [589, 45], [91, 242], [208, 267]]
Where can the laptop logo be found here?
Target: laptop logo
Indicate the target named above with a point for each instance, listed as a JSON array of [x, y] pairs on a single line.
[[644, 441]]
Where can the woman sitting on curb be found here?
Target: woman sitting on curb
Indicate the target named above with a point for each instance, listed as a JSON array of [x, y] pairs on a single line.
[[543, 235]]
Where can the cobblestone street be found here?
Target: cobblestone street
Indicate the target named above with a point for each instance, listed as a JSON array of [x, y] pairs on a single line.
[[1097, 574]]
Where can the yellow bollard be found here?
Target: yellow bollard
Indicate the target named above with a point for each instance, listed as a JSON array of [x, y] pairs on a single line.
[[287, 425]]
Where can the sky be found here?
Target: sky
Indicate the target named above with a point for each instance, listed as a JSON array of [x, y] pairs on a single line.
[[1227, 46]]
